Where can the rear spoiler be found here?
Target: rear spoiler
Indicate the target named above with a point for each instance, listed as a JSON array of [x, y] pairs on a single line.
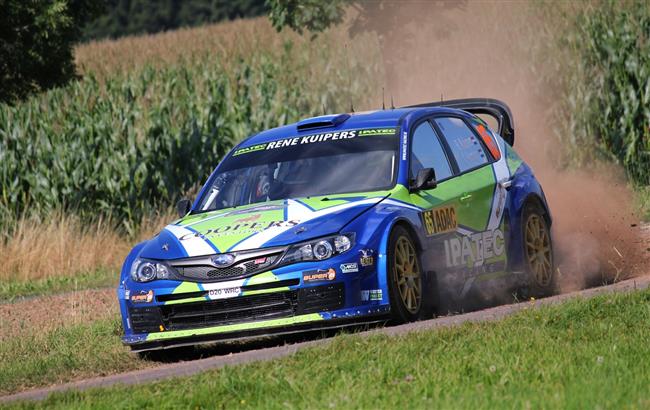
[[488, 106]]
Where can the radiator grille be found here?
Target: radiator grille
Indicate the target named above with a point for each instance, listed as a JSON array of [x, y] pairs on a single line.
[[209, 273]]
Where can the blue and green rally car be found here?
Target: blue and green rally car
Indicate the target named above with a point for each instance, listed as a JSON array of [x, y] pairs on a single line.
[[394, 214]]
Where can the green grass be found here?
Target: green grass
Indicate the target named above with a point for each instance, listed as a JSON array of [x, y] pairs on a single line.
[[583, 354], [12, 289], [64, 354]]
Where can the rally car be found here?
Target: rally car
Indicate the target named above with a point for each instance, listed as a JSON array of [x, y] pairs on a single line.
[[394, 214]]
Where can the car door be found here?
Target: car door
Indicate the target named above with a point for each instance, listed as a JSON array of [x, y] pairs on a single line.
[[438, 218], [478, 248]]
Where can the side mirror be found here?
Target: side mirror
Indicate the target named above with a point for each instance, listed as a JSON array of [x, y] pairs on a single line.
[[183, 207], [426, 179]]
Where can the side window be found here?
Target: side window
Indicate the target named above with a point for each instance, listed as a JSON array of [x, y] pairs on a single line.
[[467, 149], [427, 152], [488, 138]]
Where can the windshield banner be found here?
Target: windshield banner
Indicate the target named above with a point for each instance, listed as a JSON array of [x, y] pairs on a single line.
[[315, 138]]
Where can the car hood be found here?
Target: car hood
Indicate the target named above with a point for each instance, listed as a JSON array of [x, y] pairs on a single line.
[[263, 225]]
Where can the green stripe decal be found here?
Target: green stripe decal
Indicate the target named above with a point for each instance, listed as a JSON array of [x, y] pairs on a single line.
[[234, 328]]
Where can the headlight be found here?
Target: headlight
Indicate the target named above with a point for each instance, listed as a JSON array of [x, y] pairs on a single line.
[[319, 249], [144, 270]]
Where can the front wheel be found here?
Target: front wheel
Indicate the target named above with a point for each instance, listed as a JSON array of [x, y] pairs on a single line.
[[538, 251], [404, 277]]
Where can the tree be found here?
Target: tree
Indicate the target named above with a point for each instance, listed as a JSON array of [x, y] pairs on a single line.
[[396, 23], [36, 40], [131, 17], [313, 15]]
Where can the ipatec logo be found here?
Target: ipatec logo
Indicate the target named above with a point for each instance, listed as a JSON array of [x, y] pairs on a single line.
[[223, 260]]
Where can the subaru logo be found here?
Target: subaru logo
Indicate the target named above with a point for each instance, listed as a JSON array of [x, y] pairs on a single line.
[[223, 260]]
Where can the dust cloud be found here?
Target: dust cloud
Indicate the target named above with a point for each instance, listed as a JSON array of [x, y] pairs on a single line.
[[436, 49]]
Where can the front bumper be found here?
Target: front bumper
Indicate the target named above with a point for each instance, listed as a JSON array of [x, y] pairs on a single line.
[[278, 302]]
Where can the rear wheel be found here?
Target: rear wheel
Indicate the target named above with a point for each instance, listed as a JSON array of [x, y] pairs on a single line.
[[538, 251], [405, 277]]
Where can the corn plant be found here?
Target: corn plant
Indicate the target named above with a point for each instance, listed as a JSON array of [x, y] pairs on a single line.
[[129, 143]]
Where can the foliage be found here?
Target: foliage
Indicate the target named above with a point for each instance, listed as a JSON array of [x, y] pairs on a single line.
[[313, 15], [607, 86], [125, 145], [129, 17], [36, 39], [550, 357]]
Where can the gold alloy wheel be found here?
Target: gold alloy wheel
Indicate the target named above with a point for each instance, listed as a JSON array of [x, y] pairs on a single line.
[[407, 274], [538, 250]]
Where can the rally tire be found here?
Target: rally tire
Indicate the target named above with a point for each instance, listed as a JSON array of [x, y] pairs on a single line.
[[405, 277], [538, 251]]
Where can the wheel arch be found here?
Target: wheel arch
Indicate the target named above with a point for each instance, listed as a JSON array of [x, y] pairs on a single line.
[[534, 198]]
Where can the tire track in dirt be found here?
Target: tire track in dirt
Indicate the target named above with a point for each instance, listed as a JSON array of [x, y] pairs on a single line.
[[192, 367]]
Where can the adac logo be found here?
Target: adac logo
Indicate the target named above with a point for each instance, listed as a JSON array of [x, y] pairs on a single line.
[[224, 260]]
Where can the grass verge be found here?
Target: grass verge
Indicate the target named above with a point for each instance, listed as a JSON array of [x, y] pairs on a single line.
[[12, 289], [67, 353], [582, 354]]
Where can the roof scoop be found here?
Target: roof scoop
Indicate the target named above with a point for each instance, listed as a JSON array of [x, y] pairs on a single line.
[[324, 121]]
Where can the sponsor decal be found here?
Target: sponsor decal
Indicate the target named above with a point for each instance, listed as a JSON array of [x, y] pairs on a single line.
[[238, 228], [439, 220], [315, 138], [318, 275], [127, 294], [366, 258], [405, 139], [260, 208], [165, 247], [371, 294], [246, 150], [475, 248], [251, 218], [349, 267], [223, 293], [142, 297], [293, 141], [377, 131]]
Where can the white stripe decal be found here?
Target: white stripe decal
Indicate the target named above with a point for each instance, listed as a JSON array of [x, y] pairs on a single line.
[[389, 201], [500, 195], [193, 245]]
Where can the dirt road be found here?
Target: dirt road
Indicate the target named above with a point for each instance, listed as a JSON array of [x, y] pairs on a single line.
[[191, 367]]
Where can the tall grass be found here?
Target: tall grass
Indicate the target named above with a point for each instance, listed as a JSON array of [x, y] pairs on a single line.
[[66, 245]]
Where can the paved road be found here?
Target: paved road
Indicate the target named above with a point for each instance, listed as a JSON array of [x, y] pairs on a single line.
[[196, 366]]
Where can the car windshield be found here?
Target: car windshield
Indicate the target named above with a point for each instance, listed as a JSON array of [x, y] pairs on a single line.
[[313, 165]]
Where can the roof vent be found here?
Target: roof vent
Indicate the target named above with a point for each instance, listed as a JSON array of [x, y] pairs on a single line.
[[324, 121]]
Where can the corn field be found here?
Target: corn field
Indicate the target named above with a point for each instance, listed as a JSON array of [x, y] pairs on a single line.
[[122, 145], [607, 86]]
